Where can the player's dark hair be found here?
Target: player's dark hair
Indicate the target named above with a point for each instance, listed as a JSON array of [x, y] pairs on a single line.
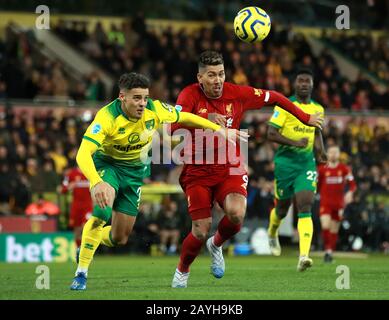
[[133, 80], [210, 58], [307, 71]]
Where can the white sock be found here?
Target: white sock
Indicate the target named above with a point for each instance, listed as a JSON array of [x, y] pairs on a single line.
[[84, 270]]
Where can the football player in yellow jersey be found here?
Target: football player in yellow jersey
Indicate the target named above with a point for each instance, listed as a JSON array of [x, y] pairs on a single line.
[[113, 156], [295, 166]]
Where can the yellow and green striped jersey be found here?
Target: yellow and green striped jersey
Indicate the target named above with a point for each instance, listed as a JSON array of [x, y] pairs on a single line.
[[290, 127], [122, 138]]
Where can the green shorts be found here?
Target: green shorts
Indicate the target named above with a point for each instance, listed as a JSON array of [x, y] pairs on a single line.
[[127, 180], [293, 177]]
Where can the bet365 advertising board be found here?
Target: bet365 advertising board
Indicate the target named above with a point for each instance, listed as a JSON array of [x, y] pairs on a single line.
[[39, 247]]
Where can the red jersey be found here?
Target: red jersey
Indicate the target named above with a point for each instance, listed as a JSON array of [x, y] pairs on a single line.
[[75, 181], [332, 183], [235, 100]]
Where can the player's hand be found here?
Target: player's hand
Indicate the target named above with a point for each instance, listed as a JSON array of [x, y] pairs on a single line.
[[316, 120], [103, 194], [233, 135], [302, 143], [341, 214], [322, 158], [219, 119]]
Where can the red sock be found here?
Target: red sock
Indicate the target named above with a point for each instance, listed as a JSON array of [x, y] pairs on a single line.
[[78, 243], [334, 240], [190, 249], [327, 239], [225, 230]]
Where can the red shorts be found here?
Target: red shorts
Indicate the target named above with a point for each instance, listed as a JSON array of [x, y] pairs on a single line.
[[332, 211], [79, 214], [205, 184]]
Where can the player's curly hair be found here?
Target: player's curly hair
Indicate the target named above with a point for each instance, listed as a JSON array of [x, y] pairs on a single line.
[[133, 80], [210, 58]]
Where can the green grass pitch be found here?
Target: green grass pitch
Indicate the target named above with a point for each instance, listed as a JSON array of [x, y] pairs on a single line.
[[246, 278]]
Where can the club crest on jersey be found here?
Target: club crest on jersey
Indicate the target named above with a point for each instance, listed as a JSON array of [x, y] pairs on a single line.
[[96, 128], [150, 124], [229, 108], [202, 110], [258, 92], [121, 131]]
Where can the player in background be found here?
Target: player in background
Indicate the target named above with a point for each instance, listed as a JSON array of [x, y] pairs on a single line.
[[205, 184], [111, 156], [333, 180], [295, 167], [81, 207]]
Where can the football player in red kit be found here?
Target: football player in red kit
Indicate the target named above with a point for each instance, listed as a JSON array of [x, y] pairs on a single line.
[[81, 206], [205, 183], [333, 179]]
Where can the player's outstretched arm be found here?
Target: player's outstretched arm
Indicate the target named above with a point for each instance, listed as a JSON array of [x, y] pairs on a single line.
[[276, 98], [192, 120], [275, 136]]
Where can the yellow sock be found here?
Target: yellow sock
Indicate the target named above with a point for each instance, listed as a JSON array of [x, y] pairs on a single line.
[[91, 238], [106, 237], [274, 223], [305, 230]]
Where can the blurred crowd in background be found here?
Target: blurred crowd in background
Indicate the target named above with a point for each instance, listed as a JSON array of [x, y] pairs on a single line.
[[35, 151], [170, 59]]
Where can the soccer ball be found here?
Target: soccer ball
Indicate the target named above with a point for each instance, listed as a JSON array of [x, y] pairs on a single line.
[[252, 24]]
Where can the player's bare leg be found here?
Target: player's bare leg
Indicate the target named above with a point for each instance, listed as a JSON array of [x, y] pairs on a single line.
[[325, 221], [276, 215], [190, 249], [304, 202], [122, 225], [77, 231], [235, 209]]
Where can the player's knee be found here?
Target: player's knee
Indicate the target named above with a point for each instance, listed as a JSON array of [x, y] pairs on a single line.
[[282, 212], [236, 217], [120, 240], [304, 207], [235, 213], [200, 234], [200, 229]]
